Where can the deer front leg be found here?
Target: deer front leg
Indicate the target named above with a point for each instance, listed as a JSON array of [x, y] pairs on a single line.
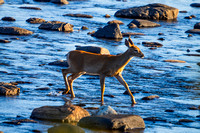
[[123, 82], [65, 72], [102, 82]]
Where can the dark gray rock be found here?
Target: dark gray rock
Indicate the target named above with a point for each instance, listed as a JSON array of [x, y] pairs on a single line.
[[111, 31], [195, 5], [113, 122], [8, 89], [79, 15], [150, 11], [197, 26], [185, 120], [194, 31], [4, 41], [152, 44], [31, 8], [35, 20], [8, 19], [60, 1], [141, 23], [14, 31], [66, 128], [1, 2], [154, 119], [93, 49], [150, 97]]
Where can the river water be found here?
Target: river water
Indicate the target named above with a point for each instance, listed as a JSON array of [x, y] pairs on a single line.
[[26, 59]]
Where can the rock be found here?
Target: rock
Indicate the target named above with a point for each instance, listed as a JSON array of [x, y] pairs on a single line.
[[193, 108], [4, 41], [91, 108], [94, 49], [169, 110], [198, 50], [128, 34], [106, 110], [185, 120], [18, 122], [14, 31], [107, 16], [150, 11], [150, 97], [111, 31], [175, 61], [8, 89], [57, 26], [66, 128], [192, 54], [161, 39], [62, 63], [113, 122], [1, 1], [190, 35], [79, 15], [66, 113], [32, 8], [154, 119], [132, 26], [35, 20], [152, 44], [43, 88], [84, 28], [195, 5], [60, 1], [141, 23], [90, 33], [194, 31], [197, 26], [115, 21], [8, 19], [198, 64], [42, 0], [183, 11], [160, 34], [188, 17], [1, 131]]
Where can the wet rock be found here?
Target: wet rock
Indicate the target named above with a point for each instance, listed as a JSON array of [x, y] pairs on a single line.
[[14, 31], [132, 26], [154, 119], [4, 41], [198, 64], [111, 31], [35, 131], [141, 23], [35, 20], [160, 34], [192, 54], [183, 11], [43, 88], [90, 33], [190, 35], [113, 122], [150, 11], [42, 0], [79, 15], [60, 1], [185, 120], [7, 89], [152, 44], [1, 131], [126, 92], [188, 17], [106, 110], [193, 108], [84, 28], [18, 122], [32, 8], [150, 97], [107, 16], [197, 26], [161, 39], [175, 61], [109, 95], [195, 5], [57, 26], [194, 31], [115, 21], [198, 50], [94, 49], [1, 1], [169, 110], [67, 113], [8, 19], [66, 128], [62, 63], [128, 34], [92, 108]]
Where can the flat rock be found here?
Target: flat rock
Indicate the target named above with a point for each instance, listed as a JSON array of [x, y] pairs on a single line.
[[185, 120], [66, 113], [197, 26], [18, 122], [111, 31], [195, 5], [66, 128], [14, 31], [152, 44], [141, 23], [115, 21], [35, 20], [113, 122], [106, 110], [60, 1], [1, 1], [175, 61], [127, 34], [62, 63], [8, 89], [32, 8], [94, 49], [194, 31], [79, 15], [57, 26], [150, 97], [8, 19], [150, 11], [4, 41], [192, 54], [154, 119]]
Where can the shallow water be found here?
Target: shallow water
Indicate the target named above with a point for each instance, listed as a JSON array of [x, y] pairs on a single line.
[[26, 59]]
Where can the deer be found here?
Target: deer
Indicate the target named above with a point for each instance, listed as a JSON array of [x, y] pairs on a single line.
[[81, 62]]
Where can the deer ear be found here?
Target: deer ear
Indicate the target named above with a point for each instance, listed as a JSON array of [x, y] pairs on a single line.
[[131, 42], [127, 43]]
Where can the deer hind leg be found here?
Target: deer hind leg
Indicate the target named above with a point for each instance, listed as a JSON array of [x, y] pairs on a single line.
[[102, 82], [71, 79], [123, 82], [65, 72]]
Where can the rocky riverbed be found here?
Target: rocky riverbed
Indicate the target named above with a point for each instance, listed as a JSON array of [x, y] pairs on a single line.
[[165, 83]]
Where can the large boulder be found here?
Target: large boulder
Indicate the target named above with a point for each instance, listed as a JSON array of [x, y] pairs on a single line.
[[150, 11], [194, 31], [35, 20], [8, 89], [94, 49], [67, 113], [66, 128], [1, 1], [57, 26], [111, 31], [113, 122], [14, 31], [60, 1], [141, 23]]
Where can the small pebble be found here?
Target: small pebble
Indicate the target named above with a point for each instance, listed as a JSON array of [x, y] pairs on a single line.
[[107, 16]]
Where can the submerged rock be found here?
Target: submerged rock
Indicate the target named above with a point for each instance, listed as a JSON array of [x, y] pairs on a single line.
[[150, 97], [111, 31], [4, 41], [152, 44], [150, 11], [42, 0], [154, 119], [62, 63], [79, 15], [32, 8], [66, 128], [185, 120], [115, 21], [14, 31], [67, 113], [60, 1], [194, 31], [195, 5], [141, 23], [197, 26], [94, 49], [8, 89], [113, 122], [8, 19], [106, 110], [35, 20]]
